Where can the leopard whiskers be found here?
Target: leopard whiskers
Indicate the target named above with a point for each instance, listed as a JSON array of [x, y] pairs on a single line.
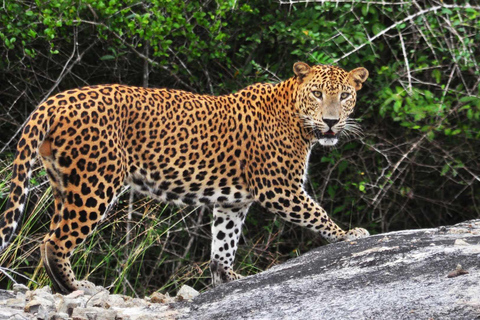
[[352, 129], [308, 122]]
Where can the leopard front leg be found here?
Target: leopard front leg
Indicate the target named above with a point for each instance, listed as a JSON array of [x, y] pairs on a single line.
[[301, 209], [226, 230]]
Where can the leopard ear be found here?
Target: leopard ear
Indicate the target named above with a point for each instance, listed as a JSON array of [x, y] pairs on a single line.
[[301, 70], [357, 77]]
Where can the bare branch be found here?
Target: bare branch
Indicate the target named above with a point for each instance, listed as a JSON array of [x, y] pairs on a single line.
[[383, 3], [410, 17], [138, 53], [407, 64], [66, 70]]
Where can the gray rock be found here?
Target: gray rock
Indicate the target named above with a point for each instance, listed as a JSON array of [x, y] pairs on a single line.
[[413, 274], [158, 297], [60, 316], [18, 287], [67, 305], [11, 314], [42, 293], [186, 293], [75, 294], [136, 302], [16, 303], [37, 309], [4, 295], [94, 313], [399, 275], [117, 300], [33, 306], [99, 299]]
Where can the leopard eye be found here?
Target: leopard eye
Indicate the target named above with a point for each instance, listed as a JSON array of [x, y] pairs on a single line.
[[344, 95], [317, 94]]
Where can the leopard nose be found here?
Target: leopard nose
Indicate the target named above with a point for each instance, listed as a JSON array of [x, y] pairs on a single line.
[[330, 122]]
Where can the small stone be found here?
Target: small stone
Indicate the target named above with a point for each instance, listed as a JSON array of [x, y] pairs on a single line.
[[457, 272], [18, 287], [94, 313], [186, 293], [91, 291], [32, 307], [137, 302], [42, 293], [46, 289], [117, 301], [75, 294], [16, 303], [10, 313], [98, 300], [158, 297], [66, 305], [460, 242], [59, 316], [38, 303]]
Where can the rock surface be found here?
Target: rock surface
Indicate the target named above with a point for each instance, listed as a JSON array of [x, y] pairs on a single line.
[[414, 274], [42, 304], [399, 275]]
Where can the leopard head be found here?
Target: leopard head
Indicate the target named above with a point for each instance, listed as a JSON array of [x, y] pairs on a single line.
[[326, 97]]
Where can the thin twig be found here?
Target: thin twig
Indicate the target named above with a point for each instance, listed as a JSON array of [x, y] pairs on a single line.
[[5, 271], [138, 53], [62, 75], [129, 228], [383, 3], [410, 17], [146, 71], [383, 189], [407, 64]]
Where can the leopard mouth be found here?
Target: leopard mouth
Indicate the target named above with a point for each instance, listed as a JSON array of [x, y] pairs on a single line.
[[324, 135], [328, 138]]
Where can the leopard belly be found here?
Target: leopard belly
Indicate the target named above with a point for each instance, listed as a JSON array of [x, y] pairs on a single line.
[[223, 191]]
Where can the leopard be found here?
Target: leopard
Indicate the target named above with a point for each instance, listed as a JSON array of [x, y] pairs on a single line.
[[225, 152]]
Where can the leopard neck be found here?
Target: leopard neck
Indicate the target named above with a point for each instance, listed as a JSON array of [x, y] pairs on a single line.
[[288, 110]]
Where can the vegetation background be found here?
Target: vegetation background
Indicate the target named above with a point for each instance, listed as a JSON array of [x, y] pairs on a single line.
[[416, 164]]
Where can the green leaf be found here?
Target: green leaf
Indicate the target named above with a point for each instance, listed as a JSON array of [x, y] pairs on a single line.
[[365, 10], [107, 57], [342, 166], [377, 28], [469, 99], [326, 159], [361, 187], [437, 75]]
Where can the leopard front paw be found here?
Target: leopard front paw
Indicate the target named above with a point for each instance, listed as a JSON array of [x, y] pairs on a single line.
[[356, 233], [88, 287], [222, 274]]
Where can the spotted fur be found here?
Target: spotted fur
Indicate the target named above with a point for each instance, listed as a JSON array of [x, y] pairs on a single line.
[[188, 149]]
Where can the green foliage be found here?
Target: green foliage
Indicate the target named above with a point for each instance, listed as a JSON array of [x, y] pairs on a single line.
[[416, 164]]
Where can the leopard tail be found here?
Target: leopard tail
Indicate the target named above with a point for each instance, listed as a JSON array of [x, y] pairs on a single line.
[[33, 134]]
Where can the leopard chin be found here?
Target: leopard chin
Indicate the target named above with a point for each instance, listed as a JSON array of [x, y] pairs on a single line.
[[328, 141]]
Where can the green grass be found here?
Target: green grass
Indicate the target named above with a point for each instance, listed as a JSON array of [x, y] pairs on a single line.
[[165, 248]]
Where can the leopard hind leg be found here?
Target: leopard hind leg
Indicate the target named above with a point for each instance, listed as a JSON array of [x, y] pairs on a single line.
[[82, 200]]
